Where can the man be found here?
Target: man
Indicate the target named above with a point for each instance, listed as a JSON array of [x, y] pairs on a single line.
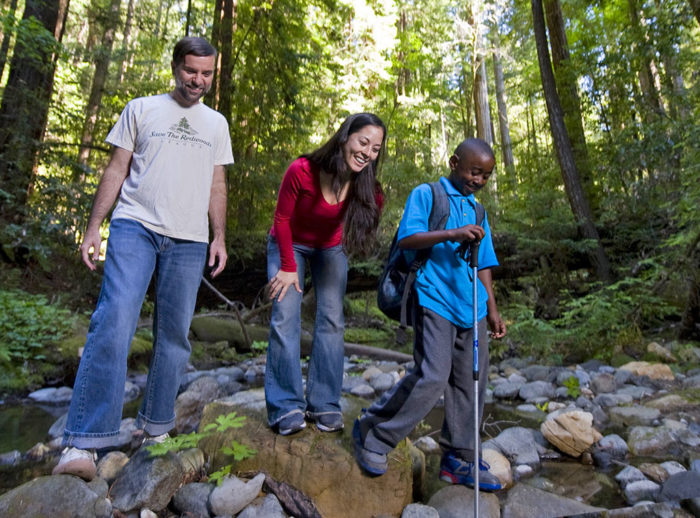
[[443, 324], [167, 170]]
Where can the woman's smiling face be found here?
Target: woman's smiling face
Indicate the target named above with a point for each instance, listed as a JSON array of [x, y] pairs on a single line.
[[362, 147]]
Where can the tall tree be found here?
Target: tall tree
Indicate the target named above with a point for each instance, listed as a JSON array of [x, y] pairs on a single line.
[[503, 126], [102, 60], [7, 34], [566, 79], [562, 145], [25, 101]]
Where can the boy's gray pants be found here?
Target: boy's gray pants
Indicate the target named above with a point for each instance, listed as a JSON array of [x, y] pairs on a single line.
[[443, 355]]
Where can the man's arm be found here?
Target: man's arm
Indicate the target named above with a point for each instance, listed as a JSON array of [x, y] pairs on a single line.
[[498, 327], [217, 217], [107, 191]]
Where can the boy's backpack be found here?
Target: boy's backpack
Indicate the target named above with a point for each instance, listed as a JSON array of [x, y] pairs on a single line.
[[396, 281]]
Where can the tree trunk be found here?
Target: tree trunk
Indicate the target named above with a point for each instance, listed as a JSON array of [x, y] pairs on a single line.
[[652, 102], [102, 59], [566, 79], [6, 37], [25, 103], [481, 104], [695, 5], [503, 127], [225, 47], [125, 41], [562, 145], [690, 324]]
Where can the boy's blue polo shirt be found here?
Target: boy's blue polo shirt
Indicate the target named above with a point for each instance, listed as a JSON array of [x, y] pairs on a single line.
[[444, 283]]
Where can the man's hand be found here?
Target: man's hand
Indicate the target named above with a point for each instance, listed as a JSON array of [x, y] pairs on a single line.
[[217, 256], [280, 283], [91, 241]]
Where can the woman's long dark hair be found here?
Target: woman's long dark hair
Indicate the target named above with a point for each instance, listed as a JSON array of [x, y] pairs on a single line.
[[361, 210]]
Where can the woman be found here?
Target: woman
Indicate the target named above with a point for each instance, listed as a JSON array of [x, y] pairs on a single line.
[[328, 205]]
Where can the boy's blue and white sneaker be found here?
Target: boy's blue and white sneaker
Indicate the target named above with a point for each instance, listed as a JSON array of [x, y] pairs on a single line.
[[291, 423], [370, 461], [459, 471]]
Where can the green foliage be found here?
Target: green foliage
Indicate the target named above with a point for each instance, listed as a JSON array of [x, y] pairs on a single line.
[[258, 346], [30, 326], [573, 387], [184, 441]]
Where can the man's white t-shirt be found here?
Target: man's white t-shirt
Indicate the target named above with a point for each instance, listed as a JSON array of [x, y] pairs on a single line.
[[174, 150]]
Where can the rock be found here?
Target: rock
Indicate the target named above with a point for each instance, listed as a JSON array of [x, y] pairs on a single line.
[[371, 372], [383, 382], [458, 502], [234, 494], [651, 441], [611, 400], [131, 392], [191, 499], [364, 391], [151, 482], [127, 428], [37, 452], [419, 511], [669, 403], [507, 390], [52, 396], [536, 389], [517, 444], [264, 507], [58, 497], [614, 445], [523, 471], [10, 458], [603, 383], [636, 392], [571, 431], [111, 464], [672, 467], [189, 404], [641, 490], [654, 371], [654, 472], [633, 415], [320, 465], [681, 486], [536, 372], [524, 501], [661, 352], [56, 430], [427, 444], [499, 466]]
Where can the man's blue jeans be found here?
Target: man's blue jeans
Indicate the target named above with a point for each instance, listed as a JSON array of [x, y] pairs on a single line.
[[134, 255], [284, 390]]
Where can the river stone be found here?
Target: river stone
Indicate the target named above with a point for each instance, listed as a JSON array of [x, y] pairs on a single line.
[[364, 391], [614, 445], [661, 352], [536, 389], [603, 383], [37, 452], [524, 501], [58, 497], [507, 390], [58, 426], [672, 467], [516, 377], [419, 511], [633, 415], [320, 465], [371, 372], [264, 507], [52, 396], [628, 475], [382, 382], [610, 400], [151, 482], [681, 486], [669, 403], [518, 444], [646, 440], [458, 502], [654, 371], [641, 490], [234, 494], [427, 444], [536, 372], [654, 472], [111, 464], [499, 466], [635, 391], [189, 404], [10, 458], [191, 499], [571, 431]]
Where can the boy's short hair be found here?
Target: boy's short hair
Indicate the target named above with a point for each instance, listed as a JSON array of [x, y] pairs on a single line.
[[475, 145], [191, 45]]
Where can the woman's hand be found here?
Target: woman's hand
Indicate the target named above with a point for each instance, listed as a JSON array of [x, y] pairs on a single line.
[[280, 283]]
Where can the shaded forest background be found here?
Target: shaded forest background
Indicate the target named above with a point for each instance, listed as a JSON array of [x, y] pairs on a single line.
[[591, 106]]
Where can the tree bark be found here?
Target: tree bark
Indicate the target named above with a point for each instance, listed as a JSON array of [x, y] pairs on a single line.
[[566, 79], [503, 126], [25, 103], [481, 104], [124, 59], [102, 60], [695, 6], [6, 37], [562, 145]]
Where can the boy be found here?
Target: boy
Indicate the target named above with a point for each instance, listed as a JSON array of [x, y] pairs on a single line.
[[443, 322]]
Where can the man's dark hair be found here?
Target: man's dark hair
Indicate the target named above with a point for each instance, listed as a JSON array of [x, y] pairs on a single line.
[[191, 45]]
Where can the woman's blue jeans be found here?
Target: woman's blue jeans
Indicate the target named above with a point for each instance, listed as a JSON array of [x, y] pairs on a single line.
[[284, 390], [135, 255]]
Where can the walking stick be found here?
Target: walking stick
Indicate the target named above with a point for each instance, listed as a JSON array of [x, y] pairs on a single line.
[[474, 263]]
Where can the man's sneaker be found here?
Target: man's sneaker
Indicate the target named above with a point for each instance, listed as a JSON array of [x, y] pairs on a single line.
[[290, 424], [155, 439], [80, 463], [458, 471], [370, 461], [328, 422]]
